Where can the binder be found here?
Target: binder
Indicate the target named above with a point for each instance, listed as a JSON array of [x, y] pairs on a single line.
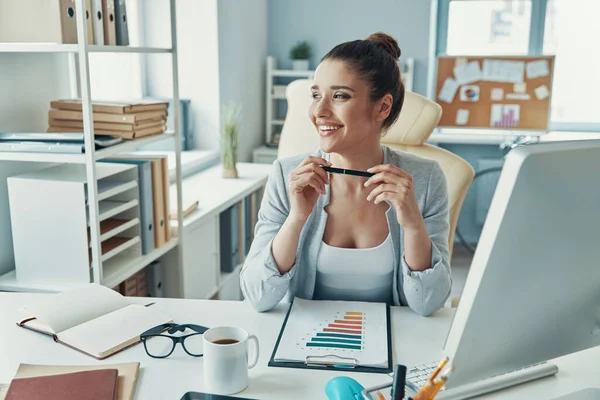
[[34, 21], [98, 22], [110, 33], [165, 188], [88, 21], [121, 29], [333, 362], [146, 201], [155, 279]]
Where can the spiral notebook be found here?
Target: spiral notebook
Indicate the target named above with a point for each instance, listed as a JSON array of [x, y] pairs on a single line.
[[335, 334]]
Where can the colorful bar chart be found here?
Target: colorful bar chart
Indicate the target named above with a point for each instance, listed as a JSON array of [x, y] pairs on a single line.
[[505, 115], [345, 332]]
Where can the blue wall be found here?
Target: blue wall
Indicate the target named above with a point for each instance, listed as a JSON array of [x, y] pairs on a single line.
[[326, 23]]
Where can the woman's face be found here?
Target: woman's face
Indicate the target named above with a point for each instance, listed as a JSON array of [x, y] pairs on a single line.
[[342, 111]]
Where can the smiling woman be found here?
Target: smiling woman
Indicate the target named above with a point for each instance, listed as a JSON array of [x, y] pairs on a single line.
[[382, 238]]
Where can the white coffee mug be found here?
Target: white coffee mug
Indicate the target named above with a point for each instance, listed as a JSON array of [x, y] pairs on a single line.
[[226, 359]]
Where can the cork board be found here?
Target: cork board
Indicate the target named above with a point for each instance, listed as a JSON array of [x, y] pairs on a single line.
[[495, 92]]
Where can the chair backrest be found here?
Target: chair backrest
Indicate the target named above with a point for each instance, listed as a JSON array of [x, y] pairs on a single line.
[[418, 118]]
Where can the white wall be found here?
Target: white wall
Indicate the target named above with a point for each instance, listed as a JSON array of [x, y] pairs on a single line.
[[198, 61], [242, 58]]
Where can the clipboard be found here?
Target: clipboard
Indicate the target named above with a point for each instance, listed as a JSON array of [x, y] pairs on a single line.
[[344, 363]]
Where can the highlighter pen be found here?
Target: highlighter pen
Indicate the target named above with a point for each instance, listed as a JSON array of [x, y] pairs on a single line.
[[438, 369], [343, 171]]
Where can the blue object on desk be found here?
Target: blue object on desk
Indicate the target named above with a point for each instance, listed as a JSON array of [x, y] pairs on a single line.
[[343, 388]]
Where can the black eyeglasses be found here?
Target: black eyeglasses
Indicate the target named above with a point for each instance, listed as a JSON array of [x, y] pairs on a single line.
[[159, 345]]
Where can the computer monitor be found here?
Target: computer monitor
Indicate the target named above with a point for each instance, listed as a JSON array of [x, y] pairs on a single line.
[[533, 289]]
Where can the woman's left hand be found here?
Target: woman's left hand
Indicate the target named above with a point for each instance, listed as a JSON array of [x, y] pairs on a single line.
[[392, 184]]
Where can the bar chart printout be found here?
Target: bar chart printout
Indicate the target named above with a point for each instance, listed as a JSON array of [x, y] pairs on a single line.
[[340, 330]]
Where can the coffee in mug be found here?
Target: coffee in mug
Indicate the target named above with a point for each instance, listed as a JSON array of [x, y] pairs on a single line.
[[225, 341]]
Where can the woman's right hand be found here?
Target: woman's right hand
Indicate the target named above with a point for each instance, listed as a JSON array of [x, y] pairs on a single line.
[[307, 181]]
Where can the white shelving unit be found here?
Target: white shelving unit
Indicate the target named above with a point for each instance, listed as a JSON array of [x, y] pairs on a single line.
[[108, 269], [275, 93]]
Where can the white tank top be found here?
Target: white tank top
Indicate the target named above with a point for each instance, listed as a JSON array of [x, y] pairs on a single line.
[[355, 274]]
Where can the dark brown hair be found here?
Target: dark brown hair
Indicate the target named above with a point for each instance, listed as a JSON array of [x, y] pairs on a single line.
[[374, 60]]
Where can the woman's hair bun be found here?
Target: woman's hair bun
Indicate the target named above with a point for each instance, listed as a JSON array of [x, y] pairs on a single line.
[[386, 42]]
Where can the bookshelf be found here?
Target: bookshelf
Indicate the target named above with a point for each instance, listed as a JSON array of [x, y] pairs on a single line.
[[115, 266]]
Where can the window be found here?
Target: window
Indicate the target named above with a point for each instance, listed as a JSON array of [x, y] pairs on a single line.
[[488, 27], [571, 32]]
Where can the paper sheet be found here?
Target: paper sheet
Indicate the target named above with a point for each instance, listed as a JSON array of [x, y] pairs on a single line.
[[497, 94], [520, 88], [518, 96], [448, 91], [351, 330], [541, 92], [460, 61], [505, 115], [503, 71], [537, 69], [469, 93], [468, 73], [462, 117]]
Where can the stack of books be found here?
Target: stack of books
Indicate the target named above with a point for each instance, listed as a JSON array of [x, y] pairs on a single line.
[[125, 120]]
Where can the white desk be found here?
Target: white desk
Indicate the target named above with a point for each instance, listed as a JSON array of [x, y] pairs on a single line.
[[416, 340]]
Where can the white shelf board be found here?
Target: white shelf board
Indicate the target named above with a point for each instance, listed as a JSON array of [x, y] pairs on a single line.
[[73, 48], [277, 122], [120, 249], [122, 266], [108, 208], [279, 97], [292, 73], [71, 158], [107, 189], [119, 229], [9, 283]]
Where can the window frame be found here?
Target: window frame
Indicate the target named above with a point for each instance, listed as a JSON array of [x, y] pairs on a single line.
[[536, 46]]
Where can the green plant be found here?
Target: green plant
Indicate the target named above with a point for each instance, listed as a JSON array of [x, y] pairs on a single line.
[[300, 51], [229, 135]]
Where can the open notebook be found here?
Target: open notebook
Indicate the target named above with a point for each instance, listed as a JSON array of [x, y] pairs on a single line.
[[335, 334], [93, 319]]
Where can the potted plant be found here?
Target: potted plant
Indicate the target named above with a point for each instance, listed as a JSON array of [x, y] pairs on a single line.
[[229, 140], [300, 54]]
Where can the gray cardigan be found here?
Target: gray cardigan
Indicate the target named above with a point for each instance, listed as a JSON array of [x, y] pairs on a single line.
[[424, 291]]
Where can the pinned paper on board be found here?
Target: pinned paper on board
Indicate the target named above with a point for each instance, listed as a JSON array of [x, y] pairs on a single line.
[[462, 117], [469, 93], [541, 92], [505, 115], [460, 61], [518, 96], [503, 71], [520, 88], [448, 90], [468, 73], [497, 94], [537, 69]]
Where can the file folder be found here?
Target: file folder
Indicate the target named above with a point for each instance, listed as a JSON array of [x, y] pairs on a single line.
[[88, 21], [98, 22], [110, 34], [121, 23]]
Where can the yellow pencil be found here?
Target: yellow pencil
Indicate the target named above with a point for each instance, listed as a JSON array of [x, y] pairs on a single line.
[[438, 369]]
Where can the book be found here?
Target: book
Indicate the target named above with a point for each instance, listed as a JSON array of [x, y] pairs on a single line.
[[109, 126], [133, 134], [330, 334], [108, 117], [92, 319], [128, 374], [99, 384], [114, 107]]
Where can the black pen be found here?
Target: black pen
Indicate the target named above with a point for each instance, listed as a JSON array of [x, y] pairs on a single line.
[[347, 171]]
